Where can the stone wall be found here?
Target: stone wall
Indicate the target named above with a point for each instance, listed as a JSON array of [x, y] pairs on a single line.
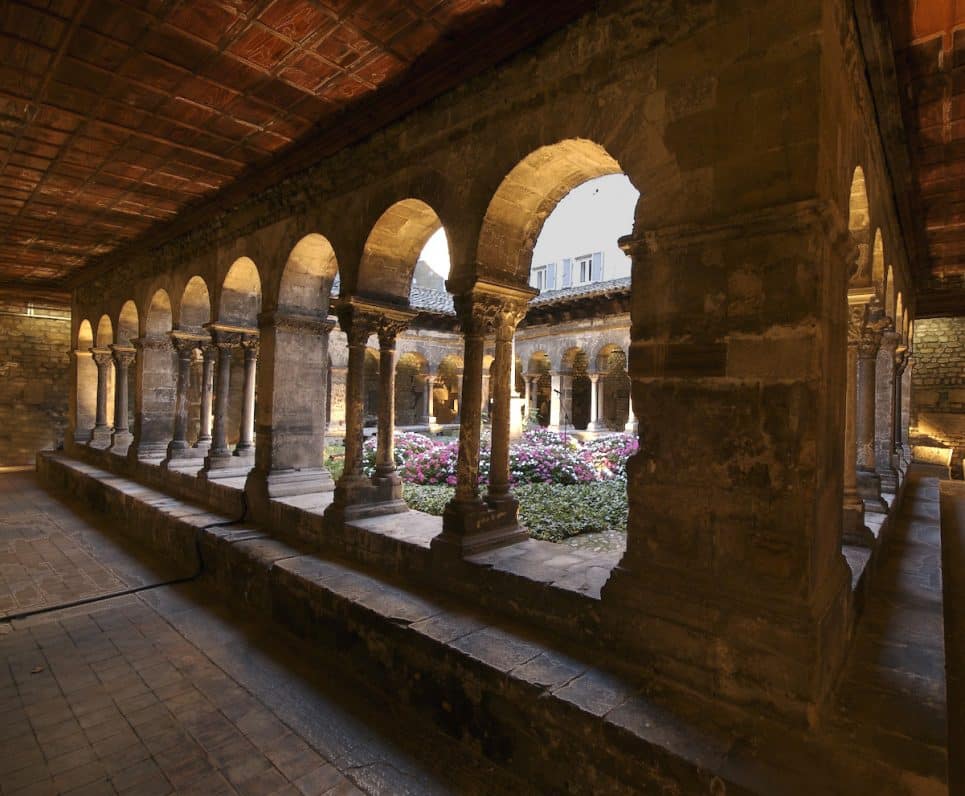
[[938, 386], [34, 369]]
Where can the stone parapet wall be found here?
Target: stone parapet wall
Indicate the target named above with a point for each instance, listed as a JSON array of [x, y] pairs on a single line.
[[34, 369], [938, 386]]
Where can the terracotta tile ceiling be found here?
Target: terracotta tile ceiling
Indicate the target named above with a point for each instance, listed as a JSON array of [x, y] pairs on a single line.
[[929, 39], [116, 116]]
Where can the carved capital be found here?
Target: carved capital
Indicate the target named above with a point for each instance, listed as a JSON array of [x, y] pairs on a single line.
[[152, 343], [389, 329], [856, 321], [185, 343], [479, 315], [250, 344], [123, 355], [361, 318], [102, 356]]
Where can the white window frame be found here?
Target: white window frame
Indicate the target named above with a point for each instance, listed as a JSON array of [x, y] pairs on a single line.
[[540, 277], [584, 261]]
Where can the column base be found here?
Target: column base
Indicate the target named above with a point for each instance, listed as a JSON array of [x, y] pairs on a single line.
[[225, 465], [182, 457], [261, 487], [100, 437], [121, 442], [853, 530], [470, 528], [889, 479], [869, 490], [147, 450], [359, 497], [203, 443], [597, 426]]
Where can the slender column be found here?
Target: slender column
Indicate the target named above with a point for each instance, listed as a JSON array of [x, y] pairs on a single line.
[[185, 348], [222, 395], [101, 433], [459, 396], [476, 324], [121, 438], [246, 433], [358, 328], [209, 353], [885, 412], [869, 482], [507, 319], [385, 450], [595, 381], [430, 399], [901, 362], [853, 531], [528, 395], [427, 402], [556, 399], [601, 403], [84, 409]]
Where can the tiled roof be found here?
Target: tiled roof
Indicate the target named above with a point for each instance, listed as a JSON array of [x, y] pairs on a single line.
[[439, 302]]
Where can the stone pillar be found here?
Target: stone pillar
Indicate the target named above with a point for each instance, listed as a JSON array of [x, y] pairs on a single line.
[[209, 354], [100, 436], [556, 399], [290, 427], [153, 399], [869, 482], [121, 438], [757, 543], [468, 524], [506, 321], [219, 461], [246, 433], [885, 412], [427, 417], [853, 528], [431, 399], [185, 346], [385, 450], [357, 496], [595, 423]]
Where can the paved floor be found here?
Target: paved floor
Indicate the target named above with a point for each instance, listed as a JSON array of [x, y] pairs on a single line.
[[161, 691]]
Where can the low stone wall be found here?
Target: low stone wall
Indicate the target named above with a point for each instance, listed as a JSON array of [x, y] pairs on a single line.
[[34, 370], [938, 387]]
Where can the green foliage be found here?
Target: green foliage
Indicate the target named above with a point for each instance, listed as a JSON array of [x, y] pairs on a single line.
[[335, 460], [550, 511]]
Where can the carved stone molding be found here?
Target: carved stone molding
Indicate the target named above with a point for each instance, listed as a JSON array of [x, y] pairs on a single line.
[[152, 343], [857, 314], [124, 355], [360, 318], [102, 356]]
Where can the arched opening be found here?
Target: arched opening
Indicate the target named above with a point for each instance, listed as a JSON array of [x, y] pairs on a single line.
[[103, 339], [306, 281], [127, 334], [85, 399], [127, 324], [890, 308], [541, 388], [878, 264], [156, 381], [575, 389], [393, 248], [859, 225], [195, 310], [240, 300], [613, 402], [411, 380], [446, 389]]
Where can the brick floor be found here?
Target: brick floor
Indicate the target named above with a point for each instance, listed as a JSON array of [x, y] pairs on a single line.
[[166, 691]]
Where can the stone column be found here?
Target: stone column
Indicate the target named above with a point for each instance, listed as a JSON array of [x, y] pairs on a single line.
[[556, 399], [388, 331], [459, 395], [431, 399], [427, 402], [246, 433], [853, 528], [595, 383], [219, 458], [154, 398], [185, 347], [121, 438], [506, 321], [528, 395], [885, 412], [901, 362], [468, 524], [869, 482], [100, 436], [358, 328], [209, 355], [84, 400]]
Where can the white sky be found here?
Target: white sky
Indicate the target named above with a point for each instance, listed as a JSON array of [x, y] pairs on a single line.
[[588, 219]]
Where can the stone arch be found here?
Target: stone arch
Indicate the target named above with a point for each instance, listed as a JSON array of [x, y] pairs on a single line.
[[859, 224], [878, 265], [411, 374], [195, 309], [525, 198], [575, 388], [890, 295], [392, 249], [240, 300], [127, 324], [306, 280], [105, 332], [156, 381], [614, 387], [158, 319], [85, 385], [900, 314]]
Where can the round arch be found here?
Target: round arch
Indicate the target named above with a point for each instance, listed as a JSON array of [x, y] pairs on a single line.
[[306, 280], [538, 369], [127, 324], [195, 308], [392, 250], [157, 322], [85, 336], [525, 198], [613, 398], [859, 224], [85, 385], [411, 374], [240, 300], [105, 332], [878, 265]]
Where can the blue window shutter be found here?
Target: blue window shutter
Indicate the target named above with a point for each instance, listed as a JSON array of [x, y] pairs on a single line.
[[597, 267], [567, 272], [551, 276]]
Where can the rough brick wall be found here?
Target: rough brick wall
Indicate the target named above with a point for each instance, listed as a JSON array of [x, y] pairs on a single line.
[[938, 386], [34, 372]]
